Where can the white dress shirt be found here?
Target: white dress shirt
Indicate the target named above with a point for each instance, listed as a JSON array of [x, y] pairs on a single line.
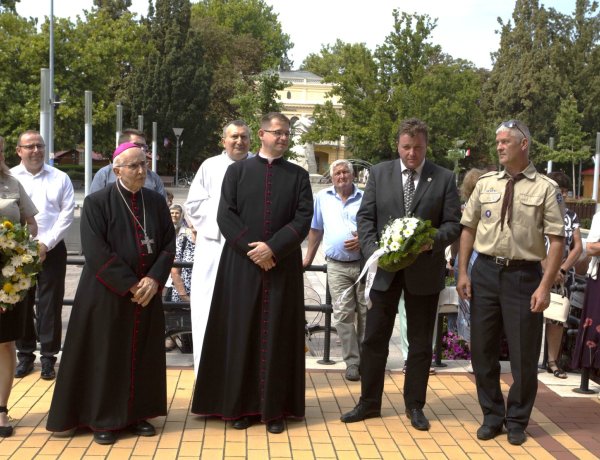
[[52, 193]]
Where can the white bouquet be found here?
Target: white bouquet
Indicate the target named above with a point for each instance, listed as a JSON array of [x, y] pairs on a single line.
[[402, 241]]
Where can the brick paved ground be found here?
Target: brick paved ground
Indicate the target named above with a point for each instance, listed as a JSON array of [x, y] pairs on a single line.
[[561, 427]]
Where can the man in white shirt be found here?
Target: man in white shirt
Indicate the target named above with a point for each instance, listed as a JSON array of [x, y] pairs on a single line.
[[201, 211], [51, 191]]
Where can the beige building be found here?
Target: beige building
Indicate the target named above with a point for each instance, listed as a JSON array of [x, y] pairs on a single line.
[[304, 91]]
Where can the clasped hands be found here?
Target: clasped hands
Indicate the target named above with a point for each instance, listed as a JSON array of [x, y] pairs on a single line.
[[261, 255], [144, 291]]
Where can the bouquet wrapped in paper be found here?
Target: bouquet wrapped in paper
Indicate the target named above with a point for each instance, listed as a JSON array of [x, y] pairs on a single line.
[[402, 240], [19, 261]]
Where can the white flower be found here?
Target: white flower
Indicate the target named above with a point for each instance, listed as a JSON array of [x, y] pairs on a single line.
[[24, 283], [8, 270], [27, 258], [408, 233], [394, 246]]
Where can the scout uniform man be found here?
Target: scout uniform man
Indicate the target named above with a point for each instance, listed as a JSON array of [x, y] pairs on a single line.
[[505, 221]]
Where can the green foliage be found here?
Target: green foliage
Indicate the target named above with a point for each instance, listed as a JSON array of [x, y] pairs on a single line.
[[407, 76], [114, 8], [255, 98], [524, 83], [9, 6], [253, 18], [171, 86]]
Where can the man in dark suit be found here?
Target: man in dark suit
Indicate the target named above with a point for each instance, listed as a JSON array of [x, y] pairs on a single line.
[[411, 186]]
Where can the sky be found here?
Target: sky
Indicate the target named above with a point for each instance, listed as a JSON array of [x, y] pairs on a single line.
[[465, 28]]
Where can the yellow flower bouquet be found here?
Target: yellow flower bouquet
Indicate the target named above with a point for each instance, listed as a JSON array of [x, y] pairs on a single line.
[[20, 263]]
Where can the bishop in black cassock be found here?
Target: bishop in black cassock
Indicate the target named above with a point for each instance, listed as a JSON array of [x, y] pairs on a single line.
[[252, 362], [113, 371]]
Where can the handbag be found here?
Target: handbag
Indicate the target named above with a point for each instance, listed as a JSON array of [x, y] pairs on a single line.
[[559, 306]]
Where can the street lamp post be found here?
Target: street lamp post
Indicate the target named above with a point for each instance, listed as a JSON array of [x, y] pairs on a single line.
[[177, 132]]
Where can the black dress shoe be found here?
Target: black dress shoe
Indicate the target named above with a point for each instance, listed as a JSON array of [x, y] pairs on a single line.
[[417, 419], [486, 432], [105, 437], [241, 423], [143, 428], [275, 426], [359, 413], [24, 368], [5, 431], [48, 372], [516, 436]]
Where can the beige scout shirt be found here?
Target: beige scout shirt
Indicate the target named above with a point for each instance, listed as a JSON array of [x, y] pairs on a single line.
[[537, 210], [15, 204]]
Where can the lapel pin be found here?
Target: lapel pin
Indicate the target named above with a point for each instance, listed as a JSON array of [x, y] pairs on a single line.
[[429, 179]]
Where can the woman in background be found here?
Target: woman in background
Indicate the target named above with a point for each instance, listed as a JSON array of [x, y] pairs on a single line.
[[586, 353], [16, 206], [564, 277]]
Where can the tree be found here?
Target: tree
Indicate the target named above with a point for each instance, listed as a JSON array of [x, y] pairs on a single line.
[[257, 97], [253, 18], [114, 8], [571, 144], [172, 85], [353, 71], [8, 6], [98, 53], [20, 62], [407, 76], [525, 83]]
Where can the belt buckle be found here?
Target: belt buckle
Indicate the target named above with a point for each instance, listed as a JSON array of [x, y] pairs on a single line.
[[502, 261]]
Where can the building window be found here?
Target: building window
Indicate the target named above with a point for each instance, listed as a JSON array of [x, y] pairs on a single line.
[[289, 94]]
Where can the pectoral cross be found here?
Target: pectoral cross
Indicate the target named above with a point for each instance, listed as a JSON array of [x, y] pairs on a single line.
[[148, 243]]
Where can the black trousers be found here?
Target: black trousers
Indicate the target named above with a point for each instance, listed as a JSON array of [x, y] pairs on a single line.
[[420, 317], [48, 312], [501, 299]]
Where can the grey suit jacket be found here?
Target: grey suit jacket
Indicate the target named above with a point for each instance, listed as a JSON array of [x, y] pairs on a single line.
[[436, 199]]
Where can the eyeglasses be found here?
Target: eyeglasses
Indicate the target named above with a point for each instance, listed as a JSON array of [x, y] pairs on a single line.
[[33, 146], [278, 133], [512, 124], [134, 166]]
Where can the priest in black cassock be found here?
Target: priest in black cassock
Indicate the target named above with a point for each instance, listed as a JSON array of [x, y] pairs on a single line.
[[252, 363], [113, 372]]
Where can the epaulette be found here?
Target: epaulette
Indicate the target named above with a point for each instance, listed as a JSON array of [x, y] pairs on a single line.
[[552, 181], [488, 174]]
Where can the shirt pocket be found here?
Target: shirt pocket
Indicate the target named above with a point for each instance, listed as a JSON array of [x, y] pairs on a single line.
[[490, 206], [530, 207], [9, 195]]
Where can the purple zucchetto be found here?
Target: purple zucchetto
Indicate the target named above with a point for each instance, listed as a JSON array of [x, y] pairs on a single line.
[[124, 146]]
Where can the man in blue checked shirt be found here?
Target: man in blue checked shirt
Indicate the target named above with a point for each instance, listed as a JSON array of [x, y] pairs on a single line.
[[334, 222]]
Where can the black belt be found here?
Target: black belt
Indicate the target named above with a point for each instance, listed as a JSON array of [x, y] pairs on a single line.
[[343, 261], [509, 262]]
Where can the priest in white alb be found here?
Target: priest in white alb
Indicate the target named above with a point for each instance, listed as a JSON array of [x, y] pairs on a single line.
[[201, 211]]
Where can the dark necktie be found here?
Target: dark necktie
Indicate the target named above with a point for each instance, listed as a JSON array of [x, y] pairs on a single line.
[[507, 201], [409, 189]]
